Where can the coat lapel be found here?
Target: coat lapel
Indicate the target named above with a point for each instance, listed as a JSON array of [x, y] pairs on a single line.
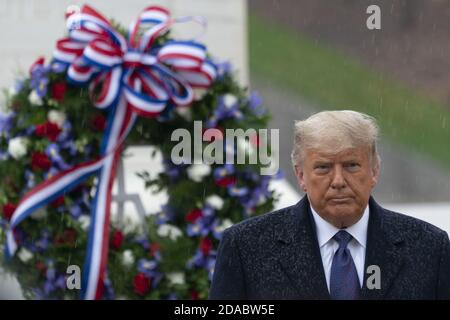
[[384, 249], [298, 252]]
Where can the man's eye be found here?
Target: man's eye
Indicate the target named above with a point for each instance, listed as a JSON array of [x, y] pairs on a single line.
[[321, 167], [352, 165]]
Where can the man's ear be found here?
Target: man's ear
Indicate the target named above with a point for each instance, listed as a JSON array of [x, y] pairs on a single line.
[[376, 172], [300, 176]]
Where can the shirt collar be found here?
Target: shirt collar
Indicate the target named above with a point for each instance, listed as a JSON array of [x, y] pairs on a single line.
[[325, 230]]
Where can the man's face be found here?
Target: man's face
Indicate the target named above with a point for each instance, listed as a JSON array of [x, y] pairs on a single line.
[[338, 185]]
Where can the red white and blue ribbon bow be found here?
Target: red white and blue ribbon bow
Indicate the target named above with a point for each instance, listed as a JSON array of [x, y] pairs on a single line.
[[134, 77]]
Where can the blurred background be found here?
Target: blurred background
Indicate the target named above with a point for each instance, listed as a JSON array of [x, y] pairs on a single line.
[[306, 56], [302, 56]]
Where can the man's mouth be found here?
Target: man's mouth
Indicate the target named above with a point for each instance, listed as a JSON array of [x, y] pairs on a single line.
[[340, 199]]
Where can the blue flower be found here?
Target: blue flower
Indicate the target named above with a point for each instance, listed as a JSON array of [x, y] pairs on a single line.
[[53, 152], [51, 172], [18, 85], [194, 229], [222, 112], [207, 210], [52, 285], [6, 120], [75, 210], [57, 67], [211, 122], [166, 214], [204, 224], [29, 178], [200, 260], [39, 80], [148, 267], [108, 292], [223, 68], [143, 242], [254, 103], [223, 171], [66, 133], [30, 130], [235, 191], [4, 155], [249, 174], [42, 243]]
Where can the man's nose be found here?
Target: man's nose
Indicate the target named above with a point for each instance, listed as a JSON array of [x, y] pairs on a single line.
[[338, 181]]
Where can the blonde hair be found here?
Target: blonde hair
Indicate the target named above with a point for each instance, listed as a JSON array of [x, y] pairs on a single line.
[[335, 131]]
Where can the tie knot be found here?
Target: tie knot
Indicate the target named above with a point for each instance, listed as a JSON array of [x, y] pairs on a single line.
[[343, 238]]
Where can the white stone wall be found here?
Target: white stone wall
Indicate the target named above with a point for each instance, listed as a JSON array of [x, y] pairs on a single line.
[[29, 28]]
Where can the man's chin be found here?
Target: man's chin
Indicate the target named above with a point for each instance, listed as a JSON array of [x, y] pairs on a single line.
[[343, 216]]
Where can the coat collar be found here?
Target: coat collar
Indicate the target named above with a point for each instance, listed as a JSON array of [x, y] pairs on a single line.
[[384, 249], [299, 254], [298, 251]]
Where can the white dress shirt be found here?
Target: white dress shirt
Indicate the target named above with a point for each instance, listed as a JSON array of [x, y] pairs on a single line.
[[328, 246]]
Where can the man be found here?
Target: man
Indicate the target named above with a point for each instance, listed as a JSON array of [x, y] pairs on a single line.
[[337, 242]]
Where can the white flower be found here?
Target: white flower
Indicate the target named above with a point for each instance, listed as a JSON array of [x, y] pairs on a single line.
[[35, 99], [229, 100], [56, 117], [199, 93], [12, 91], [85, 222], [176, 278], [24, 255], [80, 144], [184, 112], [226, 223], [17, 147], [197, 172], [215, 201], [262, 199], [127, 258], [167, 230]]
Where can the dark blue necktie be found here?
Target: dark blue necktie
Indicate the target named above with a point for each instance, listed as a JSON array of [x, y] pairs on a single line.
[[344, 282]]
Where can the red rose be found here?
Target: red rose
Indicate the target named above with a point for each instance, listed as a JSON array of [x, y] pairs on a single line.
[[69, 236], [57, 202], [40, 160], [141, 284], [205, 246], [193, 215], [99, 123], [225, 182], [8, 210], [49, 130], [58, 91], [194, 295], [117, 239]]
